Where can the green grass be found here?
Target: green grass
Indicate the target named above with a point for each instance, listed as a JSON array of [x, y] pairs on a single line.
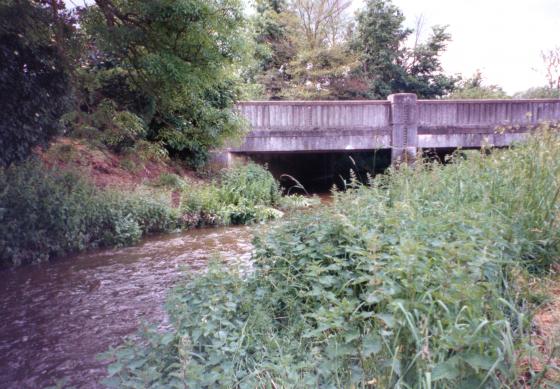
[[410, 282]]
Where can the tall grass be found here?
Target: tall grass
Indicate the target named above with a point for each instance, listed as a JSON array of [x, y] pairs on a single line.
[[410, 282]]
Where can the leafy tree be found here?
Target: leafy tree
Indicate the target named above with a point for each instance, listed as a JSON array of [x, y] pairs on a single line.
[[276, 46], [34, 82], [307, 55], [392, 67], [173, 65], [474, 88]]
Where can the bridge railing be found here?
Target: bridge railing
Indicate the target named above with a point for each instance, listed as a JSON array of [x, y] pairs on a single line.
[[402, 123], [315, 115]]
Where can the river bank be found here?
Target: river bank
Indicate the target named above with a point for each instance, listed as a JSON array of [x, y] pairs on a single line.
[[50, 210]]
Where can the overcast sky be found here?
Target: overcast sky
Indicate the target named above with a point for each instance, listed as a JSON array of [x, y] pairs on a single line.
[[502, 38]]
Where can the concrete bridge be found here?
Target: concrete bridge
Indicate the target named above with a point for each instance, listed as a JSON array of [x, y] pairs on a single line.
[[402, 124]]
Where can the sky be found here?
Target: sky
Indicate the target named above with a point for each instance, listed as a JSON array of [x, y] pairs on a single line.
[[501, 38]]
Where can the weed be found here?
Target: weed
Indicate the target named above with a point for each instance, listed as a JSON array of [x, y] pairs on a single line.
[[410, 282]]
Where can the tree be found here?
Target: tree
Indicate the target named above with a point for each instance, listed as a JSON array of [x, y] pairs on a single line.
[[391, 66], [175, 63], [307, 55], [474, 88], [34, 82], [276, 46], [321, 22], [551, 59]]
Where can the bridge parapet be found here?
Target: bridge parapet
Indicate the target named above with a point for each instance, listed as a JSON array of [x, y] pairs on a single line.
[[402, 124]]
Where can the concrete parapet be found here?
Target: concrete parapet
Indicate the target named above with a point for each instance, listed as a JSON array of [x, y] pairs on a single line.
[[402, 123], [404, 127]]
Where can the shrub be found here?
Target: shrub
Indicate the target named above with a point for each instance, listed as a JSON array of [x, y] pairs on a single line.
[[249, 184], [123, 132], [408, 283], [44, 213], [244, 194]]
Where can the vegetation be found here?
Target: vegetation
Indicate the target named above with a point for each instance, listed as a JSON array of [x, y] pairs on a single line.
[[243, 195], [45, 213], [475, 88], [414, 281], [158, 66], [121, 72], [313, 49], [34, 83]]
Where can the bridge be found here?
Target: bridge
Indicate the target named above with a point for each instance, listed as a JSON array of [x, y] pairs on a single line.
[[401, 124]]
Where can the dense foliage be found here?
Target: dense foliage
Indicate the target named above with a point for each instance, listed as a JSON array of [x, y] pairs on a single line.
[[169, 66], [475, 88], [34, 82], [121, 72], [314, 49], [413, 282], [245, 194], [45, 213], [389, 64]]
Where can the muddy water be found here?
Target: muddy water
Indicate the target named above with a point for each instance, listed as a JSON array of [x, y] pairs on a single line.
[[56, 317]]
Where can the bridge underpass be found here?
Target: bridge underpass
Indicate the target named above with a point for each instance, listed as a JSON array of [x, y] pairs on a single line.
[[318, 172]]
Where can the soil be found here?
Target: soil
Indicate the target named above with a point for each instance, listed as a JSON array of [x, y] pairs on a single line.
[[109, 169]]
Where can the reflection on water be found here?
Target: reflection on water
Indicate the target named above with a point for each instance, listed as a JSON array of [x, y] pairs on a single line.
[[57, 316]]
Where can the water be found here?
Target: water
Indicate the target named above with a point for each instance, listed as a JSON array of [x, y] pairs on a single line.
[[57, 317]]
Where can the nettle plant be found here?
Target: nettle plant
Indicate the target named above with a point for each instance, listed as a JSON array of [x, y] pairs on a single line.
[[410, 282]]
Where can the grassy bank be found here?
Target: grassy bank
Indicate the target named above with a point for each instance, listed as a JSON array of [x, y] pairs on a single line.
[[416, 281], [47, 212]]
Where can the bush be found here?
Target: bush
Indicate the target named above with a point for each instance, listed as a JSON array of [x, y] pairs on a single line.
[[44, 214], [408, 283], [126, 128], [244, 194]]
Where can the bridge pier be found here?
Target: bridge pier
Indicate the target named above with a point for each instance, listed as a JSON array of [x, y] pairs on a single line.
[[404, 127]]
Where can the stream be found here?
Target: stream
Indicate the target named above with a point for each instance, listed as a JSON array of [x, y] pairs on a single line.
[[56, 317]]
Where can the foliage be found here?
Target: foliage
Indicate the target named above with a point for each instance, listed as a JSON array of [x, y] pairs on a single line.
[[313, 49], [170, 66], [44, 214], [244, 194], [474, 88], [276, 46], [408, 283], [297, 201], [389, 64], [539, 93], [34, 83]]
